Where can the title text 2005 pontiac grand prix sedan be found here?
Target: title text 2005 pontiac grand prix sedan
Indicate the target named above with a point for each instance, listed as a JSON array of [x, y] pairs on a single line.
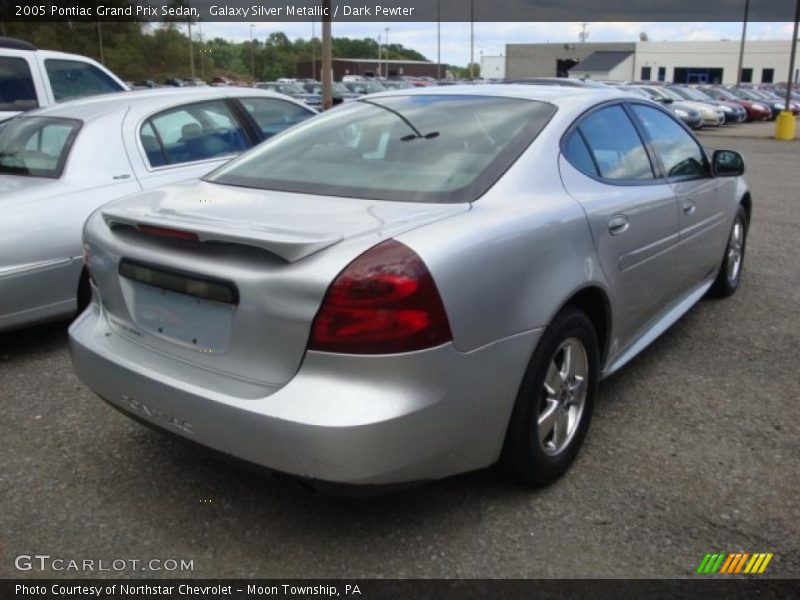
[[418, 284]]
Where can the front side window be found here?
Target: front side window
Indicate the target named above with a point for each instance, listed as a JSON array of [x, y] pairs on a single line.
[[425, 148], [680, 154], [17, 91], [71, 79], [615, 145], [273, 116], [190, 133], [36, 146]]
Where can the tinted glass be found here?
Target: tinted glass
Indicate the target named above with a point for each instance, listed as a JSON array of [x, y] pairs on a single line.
[[36, 146], [16, 85], [274, 116], [615, 145], [193, 132], [425, 148], [578, 154], [76, 79], [679, 153]]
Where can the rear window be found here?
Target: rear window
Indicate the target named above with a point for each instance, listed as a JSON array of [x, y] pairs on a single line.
[[36, 146], [426, 148], [16, 85]]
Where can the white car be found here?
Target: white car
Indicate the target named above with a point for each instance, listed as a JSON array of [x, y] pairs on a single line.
[[59, 164], [32, 78]]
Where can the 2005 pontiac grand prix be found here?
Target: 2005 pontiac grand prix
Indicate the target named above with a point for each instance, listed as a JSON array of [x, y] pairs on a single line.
[[415, 285]]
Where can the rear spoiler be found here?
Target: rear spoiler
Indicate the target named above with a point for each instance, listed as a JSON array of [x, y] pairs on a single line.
[[288, 244]]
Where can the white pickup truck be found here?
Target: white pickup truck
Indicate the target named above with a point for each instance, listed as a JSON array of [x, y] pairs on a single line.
[[31, 78]]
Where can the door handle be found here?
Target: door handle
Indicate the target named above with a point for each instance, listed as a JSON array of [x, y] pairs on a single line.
[[618, 225], [688, 207]]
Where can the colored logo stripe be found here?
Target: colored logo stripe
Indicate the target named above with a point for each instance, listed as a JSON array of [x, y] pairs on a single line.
[[724, 563]]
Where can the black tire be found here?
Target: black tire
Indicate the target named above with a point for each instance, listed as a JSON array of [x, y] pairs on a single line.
[[725, 285], [524, 456], [84, 292]]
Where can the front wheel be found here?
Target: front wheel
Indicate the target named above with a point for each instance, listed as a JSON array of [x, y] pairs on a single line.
[[554, 404], [730, 271]]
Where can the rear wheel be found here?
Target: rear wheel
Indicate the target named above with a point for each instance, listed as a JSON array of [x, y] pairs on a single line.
[[730, 271], [554, 405]]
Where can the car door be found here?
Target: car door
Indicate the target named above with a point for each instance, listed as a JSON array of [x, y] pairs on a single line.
[[186, 141], [703, 199], [632, 214]]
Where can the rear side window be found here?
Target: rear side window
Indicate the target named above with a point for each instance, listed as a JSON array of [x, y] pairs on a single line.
[[16, 85], [36, 146], [190, 133], [615, 145], [677, 150], [75, 79], [578, 154], [273, 116]]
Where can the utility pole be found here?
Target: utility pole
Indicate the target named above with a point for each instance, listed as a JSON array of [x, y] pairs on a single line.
[[202, 52], [584, 34], [313, 50], [386, 52], [327, 57], [100, 40], [191, 50], [438, 39], [252, 54], [741, 46], [380, 63]]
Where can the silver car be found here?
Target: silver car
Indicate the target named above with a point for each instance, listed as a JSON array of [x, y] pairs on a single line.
[[414, 285], [59, 164]]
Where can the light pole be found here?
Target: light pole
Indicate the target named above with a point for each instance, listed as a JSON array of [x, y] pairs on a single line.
[[471, 37], [741, 46], [785, 124], [327, 57], [439, 39], [380, 63], [313, 50]]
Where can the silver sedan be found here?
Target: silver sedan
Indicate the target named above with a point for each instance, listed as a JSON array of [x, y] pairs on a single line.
[[418, 284], [59, 164]]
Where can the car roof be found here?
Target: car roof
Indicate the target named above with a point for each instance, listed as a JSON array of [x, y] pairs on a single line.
[[92, 107]]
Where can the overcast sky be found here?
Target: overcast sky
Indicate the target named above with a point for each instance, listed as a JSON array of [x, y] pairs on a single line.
[[491, 38]]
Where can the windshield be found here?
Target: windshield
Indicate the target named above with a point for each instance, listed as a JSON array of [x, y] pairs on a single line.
[[426, 148], [698, 95], [719, 94], [36, 146], [684, 93], [291, 88]]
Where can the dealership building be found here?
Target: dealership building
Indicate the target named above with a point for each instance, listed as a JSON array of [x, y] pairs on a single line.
[[679, 62]]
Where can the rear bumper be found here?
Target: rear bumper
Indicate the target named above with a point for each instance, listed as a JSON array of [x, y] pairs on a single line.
[[343, 419]]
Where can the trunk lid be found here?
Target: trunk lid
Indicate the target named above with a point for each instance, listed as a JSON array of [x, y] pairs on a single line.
[[240, 300]]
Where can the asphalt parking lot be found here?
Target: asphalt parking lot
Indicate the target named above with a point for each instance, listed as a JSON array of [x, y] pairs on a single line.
[[694, 448]]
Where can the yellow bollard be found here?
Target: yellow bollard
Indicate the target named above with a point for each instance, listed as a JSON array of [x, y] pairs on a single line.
[[785, 126]]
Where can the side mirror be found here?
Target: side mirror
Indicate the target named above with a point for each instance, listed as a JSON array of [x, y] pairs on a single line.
[[727, 163]]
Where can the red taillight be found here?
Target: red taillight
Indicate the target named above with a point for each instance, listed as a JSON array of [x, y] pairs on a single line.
[[384, 302], [175, 234]]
